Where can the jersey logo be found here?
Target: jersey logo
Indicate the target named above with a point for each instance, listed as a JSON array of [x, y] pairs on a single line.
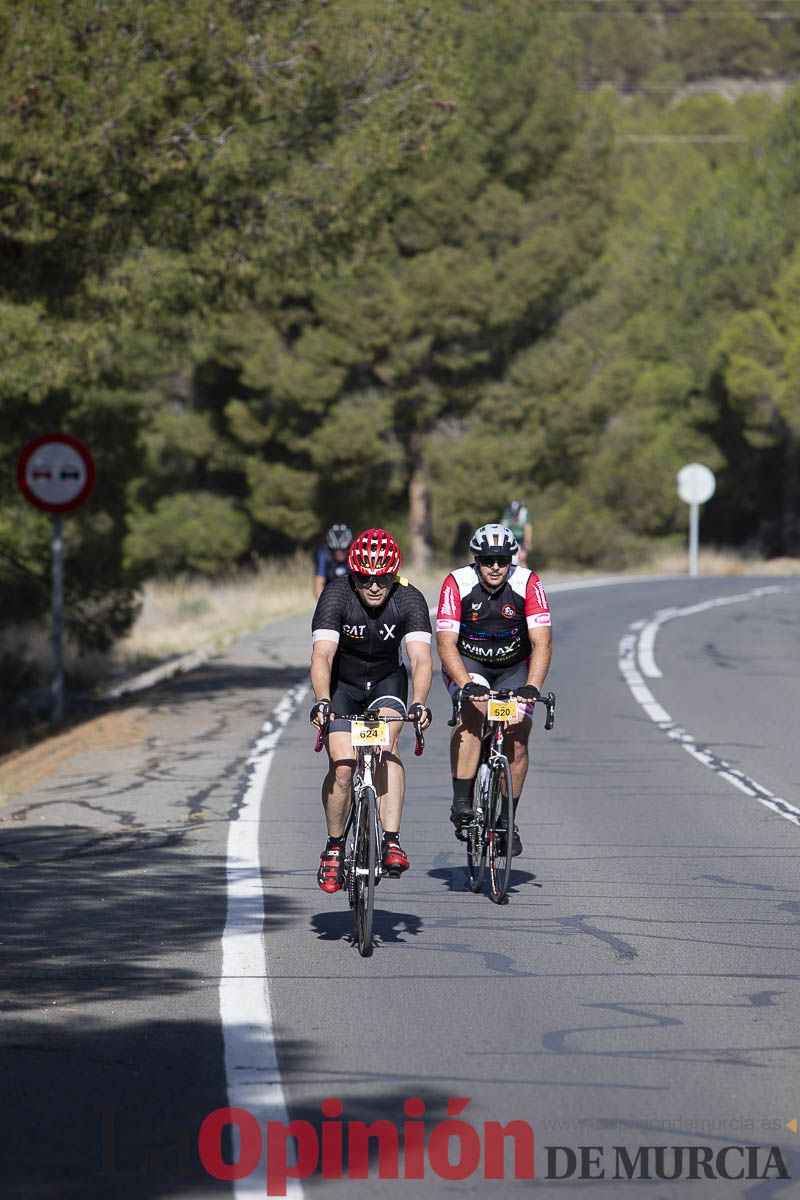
[[354, 631], [508, 610], [475, 606], [448, 603], [387, 631]]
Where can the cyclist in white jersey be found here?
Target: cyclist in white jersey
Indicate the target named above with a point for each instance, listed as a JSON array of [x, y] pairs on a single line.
[[493, 631]]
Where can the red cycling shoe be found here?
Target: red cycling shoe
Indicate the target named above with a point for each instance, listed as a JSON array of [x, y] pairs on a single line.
[[331, 869], [395, 859]]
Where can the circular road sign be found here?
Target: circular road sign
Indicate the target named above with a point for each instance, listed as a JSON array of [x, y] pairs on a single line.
[[55, 472], [696, 483]]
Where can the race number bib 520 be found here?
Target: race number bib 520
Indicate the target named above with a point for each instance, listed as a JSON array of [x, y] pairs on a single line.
[[502, 710]]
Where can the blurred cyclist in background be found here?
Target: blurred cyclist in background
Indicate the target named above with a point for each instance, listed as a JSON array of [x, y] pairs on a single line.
[[330, 561], [517, 520]]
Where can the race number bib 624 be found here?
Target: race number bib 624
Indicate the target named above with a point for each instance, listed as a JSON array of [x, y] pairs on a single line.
[[369, 733]]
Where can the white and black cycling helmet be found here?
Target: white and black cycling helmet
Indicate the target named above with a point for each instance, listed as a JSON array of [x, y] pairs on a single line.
[[493, 539], [339, 537]]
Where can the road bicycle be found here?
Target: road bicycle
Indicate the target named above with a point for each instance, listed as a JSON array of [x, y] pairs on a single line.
[[363, 867], [490, 832]]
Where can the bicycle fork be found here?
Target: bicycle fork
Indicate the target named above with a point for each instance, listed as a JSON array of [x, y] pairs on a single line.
[[361, 781]]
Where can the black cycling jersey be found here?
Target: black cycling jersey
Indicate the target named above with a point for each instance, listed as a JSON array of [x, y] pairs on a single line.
[[492, 627], [369, 639], [328, 567]]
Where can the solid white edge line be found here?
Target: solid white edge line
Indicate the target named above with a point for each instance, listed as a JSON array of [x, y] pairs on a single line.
[[251, 1062], [629, 654]]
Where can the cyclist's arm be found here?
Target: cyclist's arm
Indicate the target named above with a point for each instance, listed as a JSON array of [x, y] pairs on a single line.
[[542, 651], [537, 614], [448, 624], [320, 571], [322, 656], [420, 660], [447, 645]]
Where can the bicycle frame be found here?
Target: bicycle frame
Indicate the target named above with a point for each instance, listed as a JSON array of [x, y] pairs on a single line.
[[491, 830], [363, 867]]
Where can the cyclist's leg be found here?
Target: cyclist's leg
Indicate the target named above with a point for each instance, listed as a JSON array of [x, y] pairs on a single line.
[[465, 750], [517, 736], [390, 780], [336, 791], [341, 759]]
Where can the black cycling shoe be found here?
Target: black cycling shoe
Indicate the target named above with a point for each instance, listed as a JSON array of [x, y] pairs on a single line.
[[461, 814], [516, 841]]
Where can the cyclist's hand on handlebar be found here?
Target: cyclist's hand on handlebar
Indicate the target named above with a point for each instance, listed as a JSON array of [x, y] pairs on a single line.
[[320, 713], [474, 691], [421, 715], [528, 692]]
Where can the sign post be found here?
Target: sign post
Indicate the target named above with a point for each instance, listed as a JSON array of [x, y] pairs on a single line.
[[696, 484], [55, 472]]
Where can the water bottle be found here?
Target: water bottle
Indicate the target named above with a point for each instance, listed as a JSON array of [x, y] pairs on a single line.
[[483, 782]]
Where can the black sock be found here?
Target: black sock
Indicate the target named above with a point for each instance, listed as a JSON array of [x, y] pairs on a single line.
[[335, 841], [462, 789], [391, 837]]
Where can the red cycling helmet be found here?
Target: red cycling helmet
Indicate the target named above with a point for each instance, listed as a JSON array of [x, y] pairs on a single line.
[[374, 552]]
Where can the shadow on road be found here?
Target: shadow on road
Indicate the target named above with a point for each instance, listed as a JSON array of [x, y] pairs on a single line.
[[387, 926], [456, 879]]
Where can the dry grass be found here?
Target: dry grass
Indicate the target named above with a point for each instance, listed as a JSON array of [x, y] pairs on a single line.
[[715, 563], [183, 614]]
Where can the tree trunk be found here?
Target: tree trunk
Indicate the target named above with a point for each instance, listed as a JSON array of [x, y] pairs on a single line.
[[419, 514]]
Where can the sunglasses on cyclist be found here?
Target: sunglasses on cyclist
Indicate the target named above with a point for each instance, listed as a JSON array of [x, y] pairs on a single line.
[[364, 581], [501, 560]]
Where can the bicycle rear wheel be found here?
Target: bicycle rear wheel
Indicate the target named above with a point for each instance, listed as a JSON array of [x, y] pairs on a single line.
[[364, 856], [476, 838], [501, 831]]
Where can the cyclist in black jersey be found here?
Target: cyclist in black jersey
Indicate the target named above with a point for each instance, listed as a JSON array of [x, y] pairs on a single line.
[[358, 630]]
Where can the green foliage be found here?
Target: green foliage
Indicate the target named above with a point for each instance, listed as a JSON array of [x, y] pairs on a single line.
[[275, 262], [189, 531]]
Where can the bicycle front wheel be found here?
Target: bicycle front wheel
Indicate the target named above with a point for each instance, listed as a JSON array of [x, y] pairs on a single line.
[[501, 831], [476, 838], [364, 858]]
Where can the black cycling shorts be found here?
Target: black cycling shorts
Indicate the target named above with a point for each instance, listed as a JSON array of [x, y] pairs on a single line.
[[389, 692]]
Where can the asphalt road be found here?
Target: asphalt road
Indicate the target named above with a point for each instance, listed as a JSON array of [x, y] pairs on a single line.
[[640, 989]]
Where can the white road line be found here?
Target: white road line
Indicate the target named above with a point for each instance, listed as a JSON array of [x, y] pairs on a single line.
[[251, 1063], [647, 636], [638, 646]]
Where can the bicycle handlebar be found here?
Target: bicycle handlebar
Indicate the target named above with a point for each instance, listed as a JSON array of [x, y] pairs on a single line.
[[549, 701], [369, 717]]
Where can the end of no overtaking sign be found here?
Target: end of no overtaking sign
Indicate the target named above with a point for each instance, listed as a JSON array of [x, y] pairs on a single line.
[[55, 472], [696, 483]]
